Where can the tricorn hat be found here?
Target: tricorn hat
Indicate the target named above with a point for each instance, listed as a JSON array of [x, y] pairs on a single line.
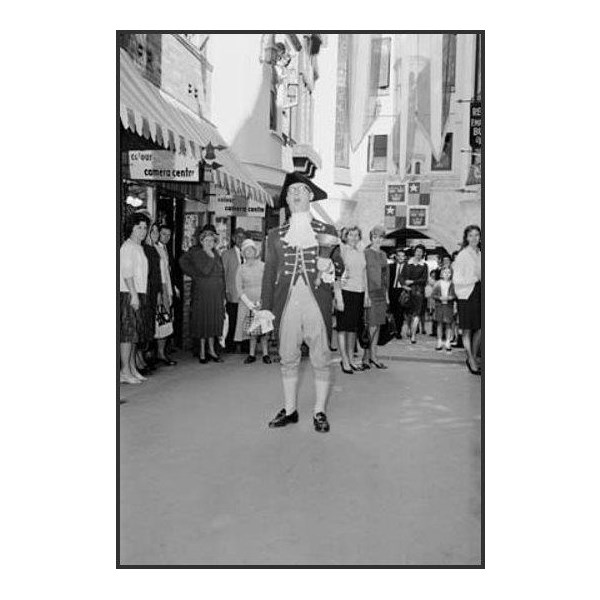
[[295, 177]]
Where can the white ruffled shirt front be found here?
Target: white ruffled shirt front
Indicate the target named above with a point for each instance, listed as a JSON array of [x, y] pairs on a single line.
[[301, 234]]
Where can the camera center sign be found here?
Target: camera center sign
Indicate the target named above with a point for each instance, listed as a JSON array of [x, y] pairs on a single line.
[[162, 165], [235, 205]]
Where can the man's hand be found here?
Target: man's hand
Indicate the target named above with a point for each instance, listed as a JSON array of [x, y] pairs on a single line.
[[135, 302]]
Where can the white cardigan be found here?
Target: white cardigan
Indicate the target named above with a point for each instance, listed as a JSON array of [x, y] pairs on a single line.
[[466, 272]]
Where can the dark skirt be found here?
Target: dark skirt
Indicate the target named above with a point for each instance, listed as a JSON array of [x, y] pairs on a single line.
[[469, 311], [132, 329], [416, 307], [376, 313], [207, 308], [349, 319], [444, 313]]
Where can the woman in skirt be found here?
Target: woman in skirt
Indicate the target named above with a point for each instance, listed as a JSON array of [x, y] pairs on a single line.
[[147, 359], [467, 283], [354, 284], [133, 277], [377, 295], [414, 279], [203, 264], [248, 282]]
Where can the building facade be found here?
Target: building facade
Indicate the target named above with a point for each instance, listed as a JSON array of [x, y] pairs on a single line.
[[263, 89], [175, 164], [398, 144]]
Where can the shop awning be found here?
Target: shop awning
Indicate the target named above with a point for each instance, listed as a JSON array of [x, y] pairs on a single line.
[[153, 114]]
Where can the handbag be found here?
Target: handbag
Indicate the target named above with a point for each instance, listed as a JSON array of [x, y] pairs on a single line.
[[404, 298], [364, 334], [163, 322], [387, 331], [250, 327]]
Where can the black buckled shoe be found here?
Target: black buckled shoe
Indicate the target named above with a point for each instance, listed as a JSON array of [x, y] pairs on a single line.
[[282, 419], [321, 423]]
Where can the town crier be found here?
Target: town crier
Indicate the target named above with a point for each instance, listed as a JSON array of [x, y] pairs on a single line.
[[302, 263]]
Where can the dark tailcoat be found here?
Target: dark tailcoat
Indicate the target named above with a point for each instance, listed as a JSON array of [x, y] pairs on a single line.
[[279, 267]]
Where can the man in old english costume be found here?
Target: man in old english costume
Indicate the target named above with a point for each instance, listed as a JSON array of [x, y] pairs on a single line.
[[302, 262]]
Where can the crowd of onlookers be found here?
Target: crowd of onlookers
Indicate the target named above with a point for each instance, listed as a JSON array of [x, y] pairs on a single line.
[[226, 292]]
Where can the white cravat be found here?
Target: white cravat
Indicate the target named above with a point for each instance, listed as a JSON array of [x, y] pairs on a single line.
[[301, 234]]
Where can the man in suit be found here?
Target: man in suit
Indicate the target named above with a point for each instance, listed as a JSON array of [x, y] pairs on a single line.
[[297, 288], [395, 289], [232, 259]]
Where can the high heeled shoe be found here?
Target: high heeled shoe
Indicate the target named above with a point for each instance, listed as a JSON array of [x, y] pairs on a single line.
[[350, 372], [471, 370], [355, 368], [216, 359]]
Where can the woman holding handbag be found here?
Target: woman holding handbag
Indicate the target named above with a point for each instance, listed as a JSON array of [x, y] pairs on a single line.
[[203, 264], [164, 314], [248, 282], [153, 298]]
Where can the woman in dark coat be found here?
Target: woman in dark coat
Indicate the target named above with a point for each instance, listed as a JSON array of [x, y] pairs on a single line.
[[414, 278], [153, 296], [204, 266], [377, 295]]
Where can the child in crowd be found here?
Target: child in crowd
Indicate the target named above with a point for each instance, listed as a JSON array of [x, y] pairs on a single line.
[[444, 296]]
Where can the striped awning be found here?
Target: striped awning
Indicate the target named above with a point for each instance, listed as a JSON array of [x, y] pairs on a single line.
[[153, 114]]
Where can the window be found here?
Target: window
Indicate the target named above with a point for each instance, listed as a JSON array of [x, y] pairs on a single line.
[[378, 152], [445, 162]]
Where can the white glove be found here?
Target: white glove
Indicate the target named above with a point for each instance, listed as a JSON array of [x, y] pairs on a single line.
[[247, 301]]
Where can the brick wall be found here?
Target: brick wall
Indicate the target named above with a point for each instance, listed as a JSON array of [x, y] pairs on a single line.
[[186, 74]]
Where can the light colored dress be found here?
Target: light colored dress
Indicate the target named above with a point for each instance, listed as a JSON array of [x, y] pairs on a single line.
[[249, 282]]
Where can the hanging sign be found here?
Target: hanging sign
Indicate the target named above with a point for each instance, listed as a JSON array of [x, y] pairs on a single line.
[[475, 126], [396, 193], [418, 217], [235, 205], [161, 165]]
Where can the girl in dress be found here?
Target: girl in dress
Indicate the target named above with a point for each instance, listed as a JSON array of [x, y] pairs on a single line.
[[443, 294], [249, 283]]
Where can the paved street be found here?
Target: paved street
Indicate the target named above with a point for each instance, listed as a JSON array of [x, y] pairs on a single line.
[[396, 481]]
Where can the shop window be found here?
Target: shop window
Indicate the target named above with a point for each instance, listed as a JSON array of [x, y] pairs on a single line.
[[445, 162], [378, 152]]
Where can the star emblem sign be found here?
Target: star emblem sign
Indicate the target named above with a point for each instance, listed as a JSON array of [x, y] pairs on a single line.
[[413, 188], [390, 211]]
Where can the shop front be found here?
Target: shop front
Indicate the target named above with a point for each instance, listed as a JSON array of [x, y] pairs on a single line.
[[174, 166]]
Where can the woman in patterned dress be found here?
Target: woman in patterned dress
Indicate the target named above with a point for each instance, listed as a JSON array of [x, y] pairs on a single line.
[[249, 284]]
